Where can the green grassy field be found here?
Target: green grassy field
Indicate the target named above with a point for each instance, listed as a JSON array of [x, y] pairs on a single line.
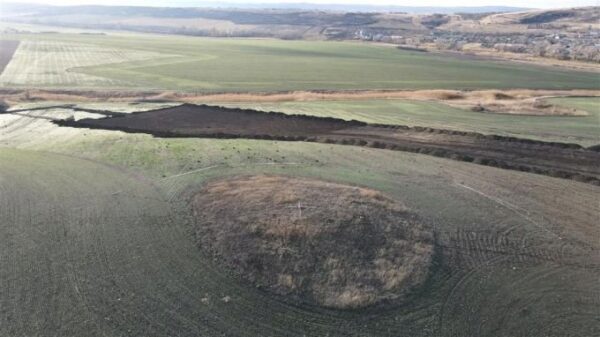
[[103, 216], [584, 130], [227, 65], [589, 104], [43, 63], [97, 230]]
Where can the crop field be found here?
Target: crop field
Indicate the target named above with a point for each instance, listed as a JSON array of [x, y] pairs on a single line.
[[111, 209], [47, 63], [126, 209], [584, 130], [589, 104], [215, 65]]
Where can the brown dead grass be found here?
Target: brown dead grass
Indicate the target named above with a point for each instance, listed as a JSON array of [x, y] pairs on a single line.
[[323, 243], [520, 102], [493, 101], [516, 101]]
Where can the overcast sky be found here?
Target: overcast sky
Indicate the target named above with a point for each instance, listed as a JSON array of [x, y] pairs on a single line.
[[445, 3]]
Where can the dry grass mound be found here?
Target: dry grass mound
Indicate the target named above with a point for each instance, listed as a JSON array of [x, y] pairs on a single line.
[[327, 244]]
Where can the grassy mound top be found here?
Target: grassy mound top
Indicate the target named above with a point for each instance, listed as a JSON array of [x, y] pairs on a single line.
[[327, 244]]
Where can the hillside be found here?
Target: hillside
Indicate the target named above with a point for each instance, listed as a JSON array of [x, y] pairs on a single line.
[[561, 34]]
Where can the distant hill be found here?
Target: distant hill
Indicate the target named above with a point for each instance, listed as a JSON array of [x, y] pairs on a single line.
[[361, 7], [563, 34], [159, 6]]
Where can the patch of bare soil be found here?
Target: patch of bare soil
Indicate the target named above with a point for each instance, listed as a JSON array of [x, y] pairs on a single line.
[[569, 161], [209, 121], [7, 50], [323, 243]]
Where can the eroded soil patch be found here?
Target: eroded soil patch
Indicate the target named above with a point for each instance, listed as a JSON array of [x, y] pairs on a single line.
[[323, 243]]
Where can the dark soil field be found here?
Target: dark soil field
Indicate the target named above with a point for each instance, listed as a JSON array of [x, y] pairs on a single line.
[[208, 121], [7, 50], [569, 161]]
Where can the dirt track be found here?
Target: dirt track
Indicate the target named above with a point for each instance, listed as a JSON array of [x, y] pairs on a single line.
[[569, 161]]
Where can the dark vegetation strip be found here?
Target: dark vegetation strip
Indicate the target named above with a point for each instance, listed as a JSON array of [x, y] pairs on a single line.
[[7, 50], [562, 160]]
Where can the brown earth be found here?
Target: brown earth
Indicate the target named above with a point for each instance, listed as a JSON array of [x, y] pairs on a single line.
[[7, 50], [570, 161], [202, 120], [323, 243]]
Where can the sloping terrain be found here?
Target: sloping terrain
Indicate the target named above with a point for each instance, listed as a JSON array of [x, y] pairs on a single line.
[[123, 214], [556, 159], [157, 62], [295, 23], [117, 260], [447, 110], [106, 246], [52, 63], [582, 18], [561, 37]]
